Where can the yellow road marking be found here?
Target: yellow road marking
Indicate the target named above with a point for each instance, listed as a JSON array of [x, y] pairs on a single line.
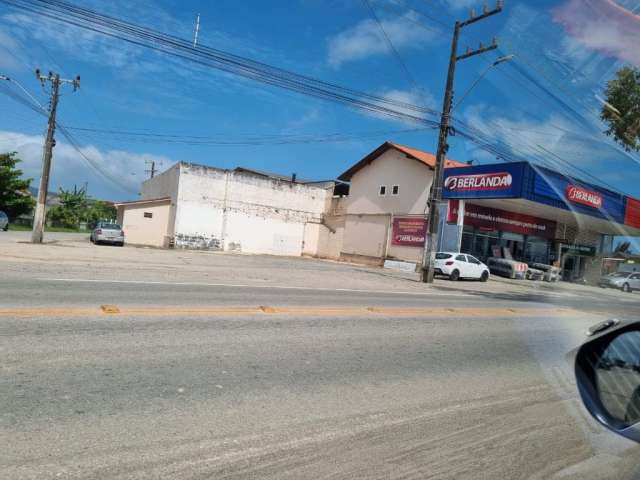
[[144, 311], [109, 309]]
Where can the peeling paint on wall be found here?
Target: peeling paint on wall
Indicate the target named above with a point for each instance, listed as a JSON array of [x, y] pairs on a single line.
[[199, 242]]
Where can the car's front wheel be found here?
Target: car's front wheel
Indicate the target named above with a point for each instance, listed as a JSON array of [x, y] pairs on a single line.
[[455, 275], [484, 277], [626, 288]]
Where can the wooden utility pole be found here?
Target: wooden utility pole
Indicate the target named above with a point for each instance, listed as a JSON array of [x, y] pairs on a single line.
[[435, 195], [50, 142]]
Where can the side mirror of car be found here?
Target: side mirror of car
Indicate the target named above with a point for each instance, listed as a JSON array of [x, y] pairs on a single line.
[[607, 369]]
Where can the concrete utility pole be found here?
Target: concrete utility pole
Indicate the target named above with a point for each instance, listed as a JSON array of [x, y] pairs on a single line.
[[435, 195], [39, 217]]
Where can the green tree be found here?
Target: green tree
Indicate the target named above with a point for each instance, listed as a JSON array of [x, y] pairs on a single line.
[[14, 190], [76, 207], [73, 208], [100, 210], [622, 108]]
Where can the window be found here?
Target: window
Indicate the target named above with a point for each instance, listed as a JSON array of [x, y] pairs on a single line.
[[395, 190], [383, 190], [148, 215], [473, 260], [461, 258], [442, 256]]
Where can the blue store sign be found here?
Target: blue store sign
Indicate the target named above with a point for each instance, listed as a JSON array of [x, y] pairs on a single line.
[[554, 189], [484, 181]]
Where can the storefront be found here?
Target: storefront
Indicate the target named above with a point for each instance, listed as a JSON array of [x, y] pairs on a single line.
[[536, 215]]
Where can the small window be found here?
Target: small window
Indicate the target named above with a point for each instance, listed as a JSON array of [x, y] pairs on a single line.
[[473, 260], [442, 256], [461, 258], [383, 190], [148, 215], [395, 190]]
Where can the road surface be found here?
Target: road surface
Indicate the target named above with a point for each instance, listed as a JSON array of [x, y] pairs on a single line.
[[196, 378]]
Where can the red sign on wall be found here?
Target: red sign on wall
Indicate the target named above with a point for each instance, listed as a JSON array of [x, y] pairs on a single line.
[[501, 220], [481, 181], [632, 213], [583, 196], [408, 231]]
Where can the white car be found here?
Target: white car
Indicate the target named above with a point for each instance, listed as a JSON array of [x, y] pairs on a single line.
[[457, 265]]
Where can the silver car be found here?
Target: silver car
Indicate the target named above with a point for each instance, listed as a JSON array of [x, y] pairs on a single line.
[[106, 232], [625, 281], [4, 221]]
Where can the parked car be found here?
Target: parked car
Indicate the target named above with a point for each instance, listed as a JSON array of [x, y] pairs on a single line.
[[4, 221], [534, 274], [507, 268], [551, 273], [106, 232], [625, 281], [460, 265]]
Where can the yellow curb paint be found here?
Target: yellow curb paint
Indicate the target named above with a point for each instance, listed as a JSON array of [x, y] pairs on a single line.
[[112, 310]]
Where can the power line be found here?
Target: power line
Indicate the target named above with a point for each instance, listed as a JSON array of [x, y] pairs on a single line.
[[394, 51], [249, 140], [148, 38]]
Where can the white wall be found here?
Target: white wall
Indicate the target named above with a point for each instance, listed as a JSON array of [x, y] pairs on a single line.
[[245, 212], [391, 168]]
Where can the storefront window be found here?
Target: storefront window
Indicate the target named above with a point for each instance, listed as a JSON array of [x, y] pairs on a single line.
[[466, 243], [536, 250], [514, 242]]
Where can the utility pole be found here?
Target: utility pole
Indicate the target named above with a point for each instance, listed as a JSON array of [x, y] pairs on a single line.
[[152, 170], [40, 213], [435, 195]]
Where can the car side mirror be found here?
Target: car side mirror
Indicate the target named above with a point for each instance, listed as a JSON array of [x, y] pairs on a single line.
[[607, 369]]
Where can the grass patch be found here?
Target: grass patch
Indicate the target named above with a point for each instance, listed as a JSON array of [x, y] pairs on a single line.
[[26, 228]]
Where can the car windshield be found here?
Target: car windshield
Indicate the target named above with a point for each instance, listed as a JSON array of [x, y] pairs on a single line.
[[313, 239]]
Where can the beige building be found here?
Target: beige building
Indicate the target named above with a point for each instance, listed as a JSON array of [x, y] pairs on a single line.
[[195, 206], [389, 186]]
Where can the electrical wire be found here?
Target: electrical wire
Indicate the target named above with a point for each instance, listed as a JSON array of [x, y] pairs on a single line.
[[88, 19]]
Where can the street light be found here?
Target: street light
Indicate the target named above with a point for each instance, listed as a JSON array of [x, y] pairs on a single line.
[[499, 60]]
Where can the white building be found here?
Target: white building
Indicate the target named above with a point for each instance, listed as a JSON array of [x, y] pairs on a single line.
[[195, 206]]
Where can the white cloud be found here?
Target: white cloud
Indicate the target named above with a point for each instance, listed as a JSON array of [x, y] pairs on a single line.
[[70, 168], [365, 39], [604, 26], [528, 137], [9, 52]]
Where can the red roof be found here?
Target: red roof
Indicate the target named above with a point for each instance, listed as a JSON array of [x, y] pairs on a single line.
[[428, 159]]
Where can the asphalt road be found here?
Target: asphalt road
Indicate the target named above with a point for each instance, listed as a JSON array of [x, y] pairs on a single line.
[[226, 366], [480, 389]]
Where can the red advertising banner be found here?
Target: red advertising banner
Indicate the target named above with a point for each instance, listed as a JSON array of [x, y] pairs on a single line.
[[408, 231], [632, 213], [494, 219], [452, 211], [583, 196]]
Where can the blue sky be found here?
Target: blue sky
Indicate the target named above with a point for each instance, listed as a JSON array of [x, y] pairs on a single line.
[[546, 97]]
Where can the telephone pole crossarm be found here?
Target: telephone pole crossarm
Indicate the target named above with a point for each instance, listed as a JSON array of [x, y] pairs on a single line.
[[482, 49]]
